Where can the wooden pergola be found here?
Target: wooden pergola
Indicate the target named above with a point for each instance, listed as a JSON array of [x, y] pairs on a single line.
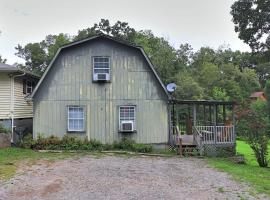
[[209, 121]]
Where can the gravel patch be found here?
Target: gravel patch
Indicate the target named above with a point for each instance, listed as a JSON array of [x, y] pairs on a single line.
[[122, 177]]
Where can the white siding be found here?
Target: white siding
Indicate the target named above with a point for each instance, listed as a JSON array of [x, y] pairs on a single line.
[[5, 92], [22, 108]]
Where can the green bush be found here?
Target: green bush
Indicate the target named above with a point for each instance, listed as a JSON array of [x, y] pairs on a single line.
[[73, 143], [254, 128], [130, 145], [27, 142], [142, 148], [124, 144], [4, 129]]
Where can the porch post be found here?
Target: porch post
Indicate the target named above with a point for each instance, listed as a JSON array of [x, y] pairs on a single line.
[[204, 115], [215, 123], [194, 115], [233, 119], [224, 114], [210, 115]]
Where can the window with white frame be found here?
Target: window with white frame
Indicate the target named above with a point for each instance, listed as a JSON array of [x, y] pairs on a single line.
[[101, 68], [127, 113], [29, 87], [76, 118]]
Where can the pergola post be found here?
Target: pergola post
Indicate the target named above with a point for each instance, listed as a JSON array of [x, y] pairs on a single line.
[[194, 115], [204, 114], [215, 123], [210, 114], [224, 114], [233, 119]]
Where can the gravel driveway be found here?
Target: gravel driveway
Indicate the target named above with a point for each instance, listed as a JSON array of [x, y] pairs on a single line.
[[122, 177]]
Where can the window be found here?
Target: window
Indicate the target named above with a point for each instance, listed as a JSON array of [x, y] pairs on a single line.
[[29, 87], [101, 68], [76, 118], [127, 113]]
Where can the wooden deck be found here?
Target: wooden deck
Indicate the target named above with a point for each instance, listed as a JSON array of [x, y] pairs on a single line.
[[202, 136]]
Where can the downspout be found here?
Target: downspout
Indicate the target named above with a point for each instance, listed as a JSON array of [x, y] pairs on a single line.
[[12, 84]]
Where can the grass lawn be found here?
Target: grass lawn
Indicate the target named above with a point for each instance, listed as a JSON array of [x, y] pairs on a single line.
[[251, 173], [11, 158]]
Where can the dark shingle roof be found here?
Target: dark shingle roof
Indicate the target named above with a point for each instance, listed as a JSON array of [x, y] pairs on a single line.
[[8, 68], [11, 68]]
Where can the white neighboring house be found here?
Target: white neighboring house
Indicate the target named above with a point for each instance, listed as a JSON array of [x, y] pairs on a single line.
[[16, 112]]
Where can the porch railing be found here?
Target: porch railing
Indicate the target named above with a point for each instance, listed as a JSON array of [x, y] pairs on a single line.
[[215, 134]]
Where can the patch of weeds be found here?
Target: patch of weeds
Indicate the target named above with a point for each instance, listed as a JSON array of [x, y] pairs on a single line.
[[221, 190], [241, 196]]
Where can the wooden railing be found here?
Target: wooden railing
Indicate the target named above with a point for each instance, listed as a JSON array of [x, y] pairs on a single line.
[[197, 136], [216, 134], [177, 140]]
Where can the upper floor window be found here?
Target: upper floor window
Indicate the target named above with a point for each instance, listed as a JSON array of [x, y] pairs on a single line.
[[101, 68], [28, 87]]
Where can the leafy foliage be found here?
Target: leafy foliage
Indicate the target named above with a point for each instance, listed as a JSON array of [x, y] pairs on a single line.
[[197, 73], [73, 143], [252, 22], [4, 129], [254, 127]]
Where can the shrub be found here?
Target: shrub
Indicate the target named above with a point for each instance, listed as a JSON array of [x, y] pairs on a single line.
[[27, 142], [142, 148], [4, 129], [124, 144], [73, 143], [130, 145], [254, 128]]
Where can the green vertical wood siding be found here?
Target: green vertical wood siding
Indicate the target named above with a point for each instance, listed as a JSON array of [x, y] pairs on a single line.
[[69, 82]]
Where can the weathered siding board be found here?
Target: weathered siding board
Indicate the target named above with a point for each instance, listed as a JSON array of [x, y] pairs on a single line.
[[69, 82], [5, 91]]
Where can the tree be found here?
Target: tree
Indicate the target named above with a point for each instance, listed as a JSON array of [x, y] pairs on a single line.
[[52, 43], [188, 88], [267, 94], [220, 94], [2, 60], [252, 22], [119, 30], [254, 126], [34, 55]]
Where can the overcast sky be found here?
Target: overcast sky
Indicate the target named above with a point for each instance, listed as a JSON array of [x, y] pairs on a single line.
[[198, 22]]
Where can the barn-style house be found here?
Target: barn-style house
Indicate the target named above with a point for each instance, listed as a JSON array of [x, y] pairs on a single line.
[[106, 89]]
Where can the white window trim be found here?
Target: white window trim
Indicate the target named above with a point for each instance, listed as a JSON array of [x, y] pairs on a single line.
[[93, 63], [135, 116], [26, 87], [83, 118]]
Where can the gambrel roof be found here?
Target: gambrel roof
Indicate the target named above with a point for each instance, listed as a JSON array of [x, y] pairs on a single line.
[[96, 37]]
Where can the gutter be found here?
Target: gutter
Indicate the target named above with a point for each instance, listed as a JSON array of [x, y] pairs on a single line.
[[12, 101]]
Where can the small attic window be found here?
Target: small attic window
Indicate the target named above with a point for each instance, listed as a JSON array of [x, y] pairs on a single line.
[[101, 68], [28, 87]]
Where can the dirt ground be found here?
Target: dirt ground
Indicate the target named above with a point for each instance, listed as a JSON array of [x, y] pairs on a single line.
[[122, 177]]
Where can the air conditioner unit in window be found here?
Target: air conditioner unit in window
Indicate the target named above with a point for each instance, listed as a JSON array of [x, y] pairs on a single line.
[[127, 126], [101, 77]]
